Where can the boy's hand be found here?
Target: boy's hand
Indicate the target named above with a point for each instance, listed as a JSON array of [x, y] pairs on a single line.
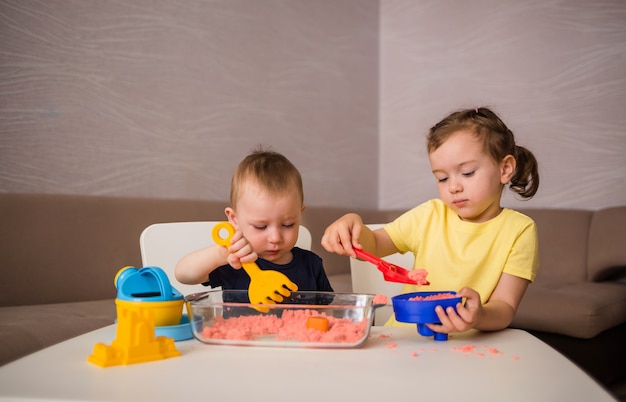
[[465, 317], [343, 234], [240, 251]]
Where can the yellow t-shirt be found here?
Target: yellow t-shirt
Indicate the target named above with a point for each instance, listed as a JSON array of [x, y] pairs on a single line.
[[457, 253]]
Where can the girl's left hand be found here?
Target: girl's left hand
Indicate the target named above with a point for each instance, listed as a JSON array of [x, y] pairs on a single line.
[[465, 316]]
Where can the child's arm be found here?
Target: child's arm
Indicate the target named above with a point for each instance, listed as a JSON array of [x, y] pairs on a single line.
[[494, 315], [196, 266], [349, 231], [501, 307]]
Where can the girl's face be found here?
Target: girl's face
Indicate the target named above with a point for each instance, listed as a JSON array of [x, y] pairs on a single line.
[[270, 222], [469, 180]]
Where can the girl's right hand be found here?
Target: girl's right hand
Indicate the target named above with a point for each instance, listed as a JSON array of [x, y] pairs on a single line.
[[342, 235]]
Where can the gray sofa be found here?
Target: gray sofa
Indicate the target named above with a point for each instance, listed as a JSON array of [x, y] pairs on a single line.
[[60, 254]]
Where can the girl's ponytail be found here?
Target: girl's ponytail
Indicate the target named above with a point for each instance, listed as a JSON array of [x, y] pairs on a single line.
[[525, 180]]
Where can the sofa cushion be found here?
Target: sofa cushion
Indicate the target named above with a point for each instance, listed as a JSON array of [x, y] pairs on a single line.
[[562, 239], [67, 248], [580, 310], [607, 241], [26, 329]]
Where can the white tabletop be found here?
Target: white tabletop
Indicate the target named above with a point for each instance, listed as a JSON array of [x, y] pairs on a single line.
[[509, 365]]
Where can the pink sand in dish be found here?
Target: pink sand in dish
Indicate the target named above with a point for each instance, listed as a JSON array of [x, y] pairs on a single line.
[[291, 326], [434, 297], [419, 276]]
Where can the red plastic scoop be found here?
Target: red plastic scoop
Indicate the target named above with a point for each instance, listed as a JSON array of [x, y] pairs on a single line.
[[392, 272]]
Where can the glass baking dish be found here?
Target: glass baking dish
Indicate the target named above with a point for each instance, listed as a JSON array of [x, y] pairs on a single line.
[[304, 319]]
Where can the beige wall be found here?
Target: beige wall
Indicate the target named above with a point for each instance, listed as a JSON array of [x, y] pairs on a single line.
[[554, 70], [162, 98]]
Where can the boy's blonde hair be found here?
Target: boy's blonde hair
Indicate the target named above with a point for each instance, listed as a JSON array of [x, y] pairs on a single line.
[[271, 170]]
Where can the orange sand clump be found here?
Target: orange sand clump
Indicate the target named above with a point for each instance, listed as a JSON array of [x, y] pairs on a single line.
[[291, 326], [319, 323], [434, 297], [419, 276], [380, 299]]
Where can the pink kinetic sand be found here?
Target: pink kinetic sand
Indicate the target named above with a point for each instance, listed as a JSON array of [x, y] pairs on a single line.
[[419, 276], [434, 297], [291, 326], [380, 299]]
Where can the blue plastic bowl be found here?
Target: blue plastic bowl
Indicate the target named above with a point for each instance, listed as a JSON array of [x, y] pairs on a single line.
[[180, 332], [422, 312]]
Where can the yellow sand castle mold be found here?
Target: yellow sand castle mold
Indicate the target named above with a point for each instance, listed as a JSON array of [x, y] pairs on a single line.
[[145, 298]]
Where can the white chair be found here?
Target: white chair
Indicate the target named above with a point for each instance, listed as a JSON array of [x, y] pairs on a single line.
[[366, 278], [164, 244]]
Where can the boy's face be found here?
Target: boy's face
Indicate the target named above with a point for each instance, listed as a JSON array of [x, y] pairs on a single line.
[[270, 222], [469, 180]]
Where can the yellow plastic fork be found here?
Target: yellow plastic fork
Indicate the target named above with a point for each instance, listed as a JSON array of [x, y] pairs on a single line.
[[266, 287]]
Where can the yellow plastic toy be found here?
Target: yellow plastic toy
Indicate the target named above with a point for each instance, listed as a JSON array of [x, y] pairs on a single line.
[[144, 297]]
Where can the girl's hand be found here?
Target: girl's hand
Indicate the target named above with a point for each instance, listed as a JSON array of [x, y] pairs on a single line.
[[240, 251], [465, 317], [343, 234]]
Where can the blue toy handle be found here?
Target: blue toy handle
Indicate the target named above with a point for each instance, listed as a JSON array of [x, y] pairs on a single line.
[[123, 274], [164, 283], [145, 284]]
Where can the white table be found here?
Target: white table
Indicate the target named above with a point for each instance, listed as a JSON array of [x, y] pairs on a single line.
[[526, 369]]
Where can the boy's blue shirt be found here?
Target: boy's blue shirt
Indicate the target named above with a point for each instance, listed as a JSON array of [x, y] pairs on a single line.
[[305, 270]]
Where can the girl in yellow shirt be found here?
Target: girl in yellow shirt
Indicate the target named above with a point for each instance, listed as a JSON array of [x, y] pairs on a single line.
[[465, 239]]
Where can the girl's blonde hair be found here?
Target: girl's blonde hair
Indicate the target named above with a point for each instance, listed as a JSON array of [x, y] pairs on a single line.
[[498, 142], [271, 170]]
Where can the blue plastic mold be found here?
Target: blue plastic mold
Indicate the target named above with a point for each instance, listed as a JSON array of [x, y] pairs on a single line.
[[422, 312], [149, 284], [180, 332]]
